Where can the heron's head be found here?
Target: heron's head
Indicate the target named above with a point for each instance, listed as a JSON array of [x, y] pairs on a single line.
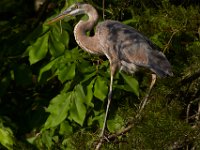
[[74, 10]]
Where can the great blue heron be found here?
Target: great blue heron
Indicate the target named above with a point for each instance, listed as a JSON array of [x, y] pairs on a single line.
[[125, 47]]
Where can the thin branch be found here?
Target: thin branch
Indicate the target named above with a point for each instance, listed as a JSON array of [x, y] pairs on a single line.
[[168, 43], [188, 110], [103, 9], [190, 79]]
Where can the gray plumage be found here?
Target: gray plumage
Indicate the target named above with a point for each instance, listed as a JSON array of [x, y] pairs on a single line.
[[130, 46]]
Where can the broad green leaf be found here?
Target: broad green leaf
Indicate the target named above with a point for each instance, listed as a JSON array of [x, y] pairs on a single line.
[[38, 50], [89, 94], [65, 38], [133, 83], [46, 68], [115, 124], [47, 138], [66, 86], [60, 35], [86, 67], [6, 137], [65, 128], [31, 139], [56, 48], [58, 109], [78, 109], [88, 76], [39, 31], [99, 117], [66, 72], [100, 88]]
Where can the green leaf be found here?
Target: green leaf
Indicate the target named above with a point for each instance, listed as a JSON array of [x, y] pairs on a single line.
[[156, 39], [115, 124], [86, 77], [89, 95], [100, 88], [47, 138], [78, 109], [46, 68], [133, 83], [6, 137], [66, 87], [39, 31], [56, 48], [38, 50], [65, 38], [65, 128], [99, 117], [66, 72], [58, 109]]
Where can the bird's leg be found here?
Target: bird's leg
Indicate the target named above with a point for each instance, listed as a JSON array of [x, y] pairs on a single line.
[[113, 67], [108, 105], [153, 80]]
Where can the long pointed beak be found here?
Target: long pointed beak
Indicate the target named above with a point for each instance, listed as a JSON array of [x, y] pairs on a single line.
[[59, 17]]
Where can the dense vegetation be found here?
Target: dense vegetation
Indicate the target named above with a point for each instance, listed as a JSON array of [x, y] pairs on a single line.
[[53, 94]]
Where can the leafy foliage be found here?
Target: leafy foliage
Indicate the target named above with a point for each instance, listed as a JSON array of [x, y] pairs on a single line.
[[53, 94]]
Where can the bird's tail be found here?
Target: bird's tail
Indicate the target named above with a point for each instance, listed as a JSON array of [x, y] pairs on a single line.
[[159, 64]]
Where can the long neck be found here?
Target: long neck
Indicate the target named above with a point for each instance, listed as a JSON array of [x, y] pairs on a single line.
[[88, 43]]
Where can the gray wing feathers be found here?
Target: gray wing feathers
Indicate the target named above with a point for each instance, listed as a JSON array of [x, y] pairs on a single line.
[[130, 46]]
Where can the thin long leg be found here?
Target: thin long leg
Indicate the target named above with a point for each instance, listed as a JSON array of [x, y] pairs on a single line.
[[108, 105], [144, 102]]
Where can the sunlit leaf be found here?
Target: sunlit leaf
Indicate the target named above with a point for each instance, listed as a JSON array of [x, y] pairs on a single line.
[[56, 48], [39, 31], [66, 72], [132, 82], [67, 86], [6, 137], [88, 76], [46, 137], [38, 50], [100, 88], [115, 124], [58, 109], [86, 67], [98, 117], [46, 68], [89, 95], [64, 38], [78, 109], [65, 128]]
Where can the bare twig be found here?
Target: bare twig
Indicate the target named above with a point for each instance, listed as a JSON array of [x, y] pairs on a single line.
[[191, 78], [171, 37], [99, 144], [197, 115], [198, 112], [187, 112], [103, 9], [113, 136]]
